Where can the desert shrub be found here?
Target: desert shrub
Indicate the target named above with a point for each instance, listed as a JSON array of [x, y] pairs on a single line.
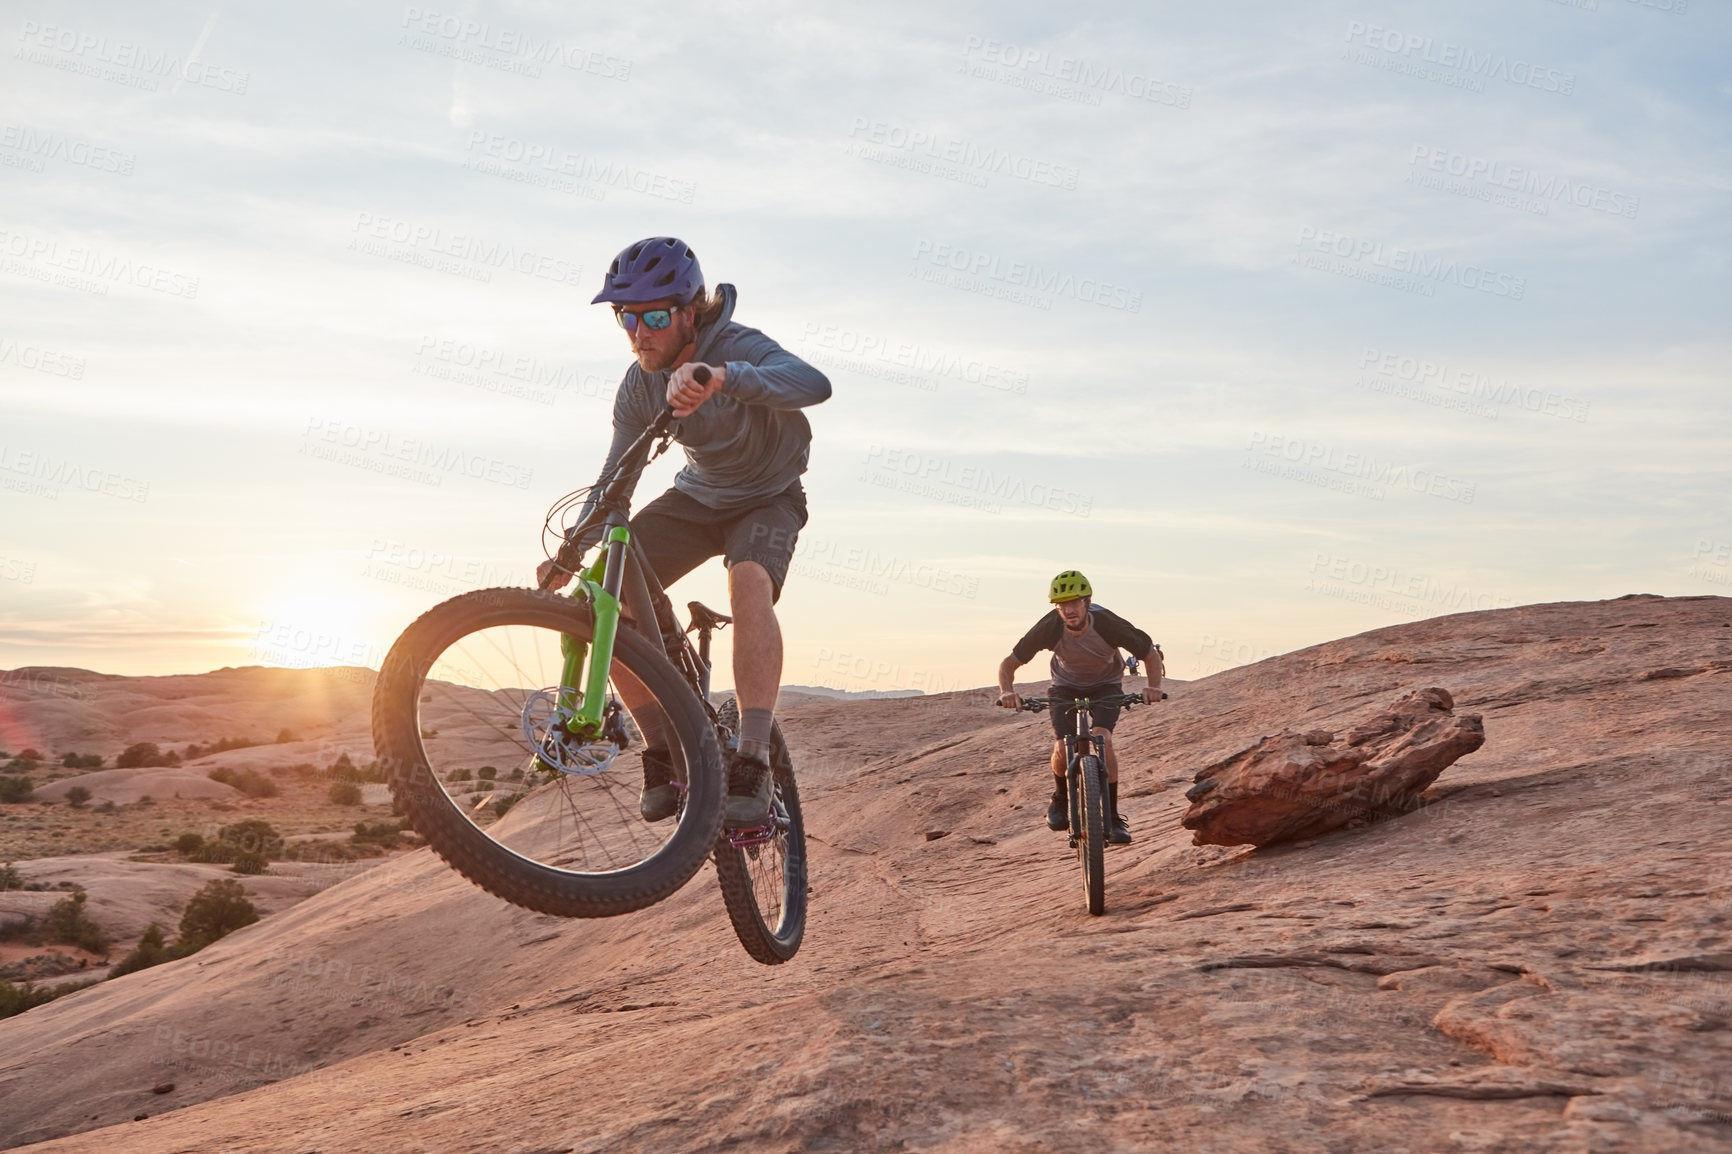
[[77, 796], [252, 836], [144, 754], [188, 843], [152, 950], [517, 774], [9, 878], [82, 761], [30, 753], [458, 775], [345, 793], [382, 833], [344, 769], [216, 911], [487, 773], [247, 862], [66, 923], [284, 736], [505, 802], [249, 781], [483, 786], [221, 745], [106, 807], [16, 790], [17, 999]]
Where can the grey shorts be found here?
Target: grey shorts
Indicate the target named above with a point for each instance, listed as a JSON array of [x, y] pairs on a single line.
[[1101, 716], [676, 533]]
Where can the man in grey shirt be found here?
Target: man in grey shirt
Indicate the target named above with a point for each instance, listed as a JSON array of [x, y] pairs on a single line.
[[739, 496], [1085, 640]]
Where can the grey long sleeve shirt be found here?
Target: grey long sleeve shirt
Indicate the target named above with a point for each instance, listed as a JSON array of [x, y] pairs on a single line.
[[749, 441]]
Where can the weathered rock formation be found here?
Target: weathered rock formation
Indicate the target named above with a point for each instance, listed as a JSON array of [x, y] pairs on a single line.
[[1297, 785]]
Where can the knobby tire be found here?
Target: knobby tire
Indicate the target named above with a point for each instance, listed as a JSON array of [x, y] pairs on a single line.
[[771, 944], [1092, 834], [466, 847]]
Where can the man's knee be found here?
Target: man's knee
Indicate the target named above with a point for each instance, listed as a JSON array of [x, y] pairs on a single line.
[[748, 580]]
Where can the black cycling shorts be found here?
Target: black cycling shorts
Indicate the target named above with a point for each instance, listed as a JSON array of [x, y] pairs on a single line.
[[1103, 716], [676, 533]]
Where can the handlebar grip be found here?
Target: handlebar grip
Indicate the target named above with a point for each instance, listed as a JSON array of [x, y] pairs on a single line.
[[701, 374]]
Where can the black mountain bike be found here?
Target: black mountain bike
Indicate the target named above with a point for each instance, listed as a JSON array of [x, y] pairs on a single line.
[[513, 725], [1086, 777]]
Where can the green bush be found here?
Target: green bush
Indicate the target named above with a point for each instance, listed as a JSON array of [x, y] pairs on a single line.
[[17, 999], [384, 834], [221, 745], [30, 753], [487, 773], [77, 796], [16, 790], [82, 761], [152, 950], [505, 802], [345, 793], [143, 755], [248, 862], [249, 781], [66, 923], [188, 843], [9, 878], [216, 911], [458, 775]]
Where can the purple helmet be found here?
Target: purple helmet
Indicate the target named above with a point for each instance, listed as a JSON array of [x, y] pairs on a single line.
[[662, 266]]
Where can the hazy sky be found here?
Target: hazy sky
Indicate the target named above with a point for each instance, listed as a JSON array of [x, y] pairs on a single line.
[[1280, 322]]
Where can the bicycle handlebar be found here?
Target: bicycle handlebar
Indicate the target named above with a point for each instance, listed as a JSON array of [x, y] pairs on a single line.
[[1041, 704], [610, 490]]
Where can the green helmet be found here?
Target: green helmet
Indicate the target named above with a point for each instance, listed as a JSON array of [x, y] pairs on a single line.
[[1068, 586]]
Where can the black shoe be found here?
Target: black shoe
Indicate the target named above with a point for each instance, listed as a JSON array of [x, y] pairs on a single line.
[[660, 798], [1118, 833], [750, 786], [1058, 814]]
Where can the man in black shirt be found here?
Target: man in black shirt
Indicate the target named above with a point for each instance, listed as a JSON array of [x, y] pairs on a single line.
[[1085, 640]]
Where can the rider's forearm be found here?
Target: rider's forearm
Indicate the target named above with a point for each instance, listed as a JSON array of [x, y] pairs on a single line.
[[780, 380], [1007, 675], [1155, 667]]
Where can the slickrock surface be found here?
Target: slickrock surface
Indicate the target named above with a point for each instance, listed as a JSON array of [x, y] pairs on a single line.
[[1298, 785], [1539, 959]]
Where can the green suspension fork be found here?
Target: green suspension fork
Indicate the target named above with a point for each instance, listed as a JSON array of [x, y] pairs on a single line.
[[592, 586]]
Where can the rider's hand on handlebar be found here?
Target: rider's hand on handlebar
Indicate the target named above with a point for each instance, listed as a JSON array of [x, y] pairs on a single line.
[[1011, 701], [549, 575], [1151, 695], [685, 393]]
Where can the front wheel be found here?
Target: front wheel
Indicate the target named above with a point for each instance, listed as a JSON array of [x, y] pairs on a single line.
[[469, 721], [763, 872], [1092, 834]]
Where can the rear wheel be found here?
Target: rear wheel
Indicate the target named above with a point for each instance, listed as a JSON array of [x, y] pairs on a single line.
[[763, 872], [1092, 836], [468, 721]]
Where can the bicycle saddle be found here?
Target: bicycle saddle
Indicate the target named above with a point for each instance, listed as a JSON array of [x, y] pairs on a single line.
[[703, 617]]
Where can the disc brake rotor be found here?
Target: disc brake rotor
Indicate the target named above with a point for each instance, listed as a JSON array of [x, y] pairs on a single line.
[[546, 726]]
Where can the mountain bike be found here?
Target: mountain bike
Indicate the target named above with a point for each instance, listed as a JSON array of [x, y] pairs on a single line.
[[514, 727], [1086, 779]]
